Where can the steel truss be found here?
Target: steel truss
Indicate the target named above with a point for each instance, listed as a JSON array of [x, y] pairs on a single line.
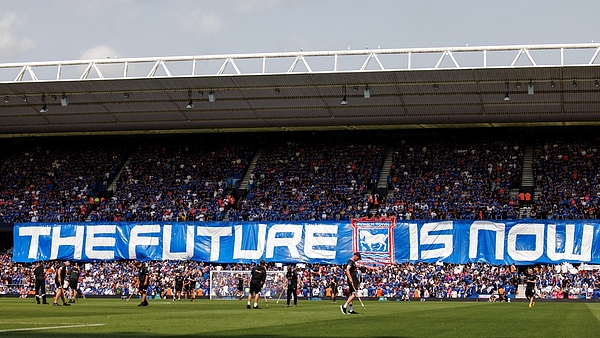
[[305, 62]]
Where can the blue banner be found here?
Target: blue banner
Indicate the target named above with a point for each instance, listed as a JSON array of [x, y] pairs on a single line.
[[382, 241]]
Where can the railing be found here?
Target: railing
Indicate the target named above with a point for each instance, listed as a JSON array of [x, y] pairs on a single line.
[[16, 289]]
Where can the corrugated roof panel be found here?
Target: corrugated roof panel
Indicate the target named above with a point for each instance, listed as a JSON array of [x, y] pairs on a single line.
[[140, 116], [297, 114], [444, 110], [523, 109], [251, 100], [582, 107], [78, 118], [441, 99], [22, 121], [300, 102], [369, 112]]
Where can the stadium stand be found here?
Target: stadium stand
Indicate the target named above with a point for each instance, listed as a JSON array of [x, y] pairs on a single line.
[[188, 179], [466, 177], [296, 177], [57, 181], [312, 179], [406, 281], [433, 175], [566, 175]]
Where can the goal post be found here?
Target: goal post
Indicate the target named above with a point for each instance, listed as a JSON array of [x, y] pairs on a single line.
[[224, 284]]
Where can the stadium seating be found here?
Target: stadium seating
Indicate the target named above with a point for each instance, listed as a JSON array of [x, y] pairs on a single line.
[[297, 176], [398, 281], [325, 176], [566, 174]]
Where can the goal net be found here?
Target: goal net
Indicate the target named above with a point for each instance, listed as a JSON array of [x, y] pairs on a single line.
[[224, 284]]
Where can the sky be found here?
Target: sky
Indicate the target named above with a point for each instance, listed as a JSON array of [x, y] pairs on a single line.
[[59, 30]]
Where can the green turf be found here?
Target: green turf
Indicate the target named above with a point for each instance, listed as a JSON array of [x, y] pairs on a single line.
[[117, 318]]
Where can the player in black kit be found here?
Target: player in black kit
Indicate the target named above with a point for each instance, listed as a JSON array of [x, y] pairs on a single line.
[[292, 286], [240, 287], [40, 282], [178, 285], [530, 286], [143, 282], [352, 277], [73, 282], [333, 286], [191, 285], [259, 276], [61, 283]]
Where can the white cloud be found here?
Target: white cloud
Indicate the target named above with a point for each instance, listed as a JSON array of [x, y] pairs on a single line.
[[10, 44], [256, 5], [199, 22], [102, 52], [98, 52]]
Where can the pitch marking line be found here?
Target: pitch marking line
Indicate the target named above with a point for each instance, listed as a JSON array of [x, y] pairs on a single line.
[[50, 327]]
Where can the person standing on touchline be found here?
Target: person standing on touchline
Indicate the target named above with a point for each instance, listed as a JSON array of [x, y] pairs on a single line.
[[352, 277]]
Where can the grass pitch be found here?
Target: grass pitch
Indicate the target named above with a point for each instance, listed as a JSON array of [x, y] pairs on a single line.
[[205, 318]]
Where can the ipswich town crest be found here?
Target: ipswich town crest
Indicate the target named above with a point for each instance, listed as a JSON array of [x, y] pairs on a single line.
[[374, 239]]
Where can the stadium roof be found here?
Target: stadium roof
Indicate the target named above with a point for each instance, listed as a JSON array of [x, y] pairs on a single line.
[[419, 87]]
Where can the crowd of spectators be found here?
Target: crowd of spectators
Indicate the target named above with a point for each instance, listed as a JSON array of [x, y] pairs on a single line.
[[177, 181], [297, 176], [467, 177], [403, 281], [56, 181], [190, 179], [311, 180], [566, 173], [435, 175]]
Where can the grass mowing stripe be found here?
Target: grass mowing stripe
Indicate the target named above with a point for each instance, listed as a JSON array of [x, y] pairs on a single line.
[[49, 327], [310, 319]]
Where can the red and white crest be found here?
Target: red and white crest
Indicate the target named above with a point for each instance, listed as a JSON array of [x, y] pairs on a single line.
[[374, 239]]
